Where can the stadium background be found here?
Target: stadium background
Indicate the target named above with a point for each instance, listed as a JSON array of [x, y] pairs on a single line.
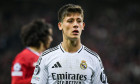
[[112, 30]]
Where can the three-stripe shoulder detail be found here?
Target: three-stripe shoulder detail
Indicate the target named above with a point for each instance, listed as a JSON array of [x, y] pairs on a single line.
[[50, 50], [90, 51], [94, 54]]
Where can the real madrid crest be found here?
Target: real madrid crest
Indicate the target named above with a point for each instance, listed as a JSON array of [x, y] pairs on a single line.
[[83, 65]]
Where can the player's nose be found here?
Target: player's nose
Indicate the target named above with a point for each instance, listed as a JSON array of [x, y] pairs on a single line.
[[75, 25]]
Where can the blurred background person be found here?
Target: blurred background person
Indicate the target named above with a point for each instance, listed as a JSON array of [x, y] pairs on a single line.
[[37, 37]]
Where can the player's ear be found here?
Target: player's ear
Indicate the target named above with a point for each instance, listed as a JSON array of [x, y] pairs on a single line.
[[60, 25], [83, 26]]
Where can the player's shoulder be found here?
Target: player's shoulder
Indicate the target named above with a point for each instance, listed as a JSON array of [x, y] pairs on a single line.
[[26, 53], [22, 53], [21, 57], [91, 53], [50, 51], [96, 58]]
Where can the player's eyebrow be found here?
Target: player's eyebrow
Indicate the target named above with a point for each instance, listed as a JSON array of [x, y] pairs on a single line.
[[79, 18], [73, 19]]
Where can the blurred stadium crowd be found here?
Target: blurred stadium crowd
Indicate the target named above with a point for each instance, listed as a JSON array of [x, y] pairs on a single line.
[[112, 30]]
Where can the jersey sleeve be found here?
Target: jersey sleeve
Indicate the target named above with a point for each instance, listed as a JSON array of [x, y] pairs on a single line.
[[18, 73], [99, 75], [40, 73]]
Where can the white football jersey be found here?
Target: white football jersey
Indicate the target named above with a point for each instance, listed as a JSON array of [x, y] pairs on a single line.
[[56, 66]]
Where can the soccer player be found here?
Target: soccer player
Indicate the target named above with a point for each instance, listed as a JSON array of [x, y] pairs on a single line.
[[37, 37], [70, 62]]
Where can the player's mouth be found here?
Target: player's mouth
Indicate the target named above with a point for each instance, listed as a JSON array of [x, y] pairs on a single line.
[[75, 32]]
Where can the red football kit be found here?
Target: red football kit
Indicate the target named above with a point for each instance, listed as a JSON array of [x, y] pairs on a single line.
[[23, 66]]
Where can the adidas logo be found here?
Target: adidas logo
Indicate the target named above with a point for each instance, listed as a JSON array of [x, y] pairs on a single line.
[[57, 65]]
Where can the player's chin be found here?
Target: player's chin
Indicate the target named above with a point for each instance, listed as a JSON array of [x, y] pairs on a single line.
[[74, 38]]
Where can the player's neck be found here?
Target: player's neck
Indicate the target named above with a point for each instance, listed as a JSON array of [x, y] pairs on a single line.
[[71, 46], [40, 49], [36, 49]]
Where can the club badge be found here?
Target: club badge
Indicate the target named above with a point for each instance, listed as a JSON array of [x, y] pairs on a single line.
[[17, 67], [83, 65]]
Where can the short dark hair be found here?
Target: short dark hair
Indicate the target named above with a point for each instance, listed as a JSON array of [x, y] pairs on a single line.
[[67, 9], [35, 32]]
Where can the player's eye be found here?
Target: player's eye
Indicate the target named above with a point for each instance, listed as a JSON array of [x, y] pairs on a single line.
[[79, 21], [70, 21]]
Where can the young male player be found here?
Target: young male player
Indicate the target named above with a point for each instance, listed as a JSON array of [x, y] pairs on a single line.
[[70, 62], [37, 37]]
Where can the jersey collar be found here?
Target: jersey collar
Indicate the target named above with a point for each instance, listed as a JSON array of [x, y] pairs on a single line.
[[68, 52]]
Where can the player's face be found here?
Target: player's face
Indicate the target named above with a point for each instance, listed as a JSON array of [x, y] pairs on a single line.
[[72, 26], [50, 39]]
